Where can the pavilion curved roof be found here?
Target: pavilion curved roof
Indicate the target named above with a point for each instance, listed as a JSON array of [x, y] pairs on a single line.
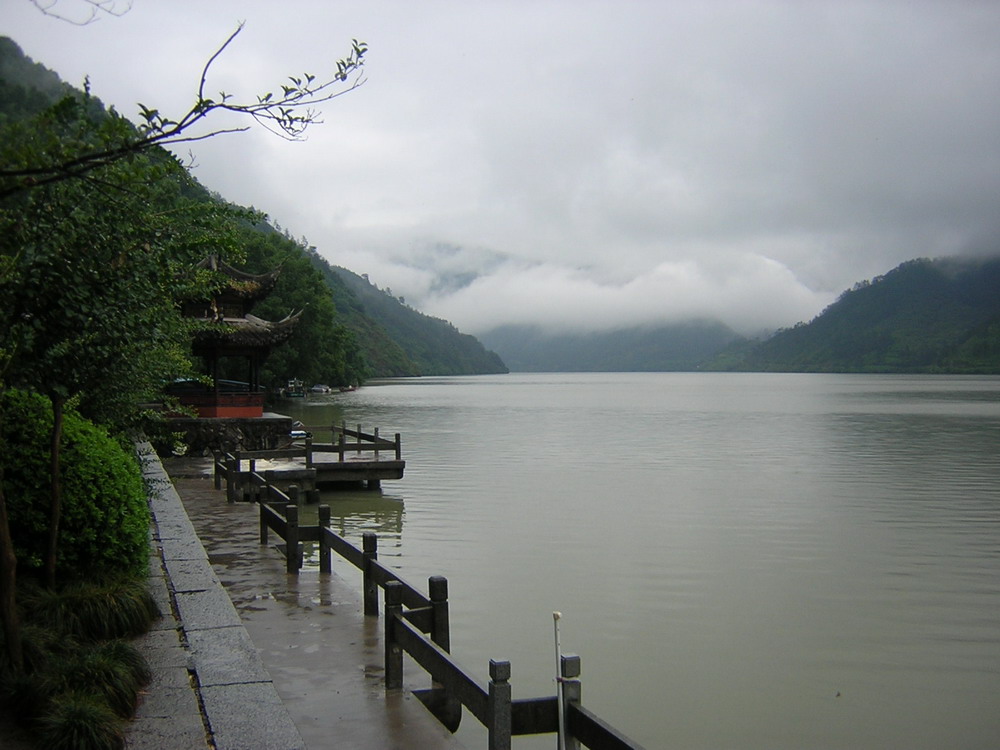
[[249, 332], [243, 284]]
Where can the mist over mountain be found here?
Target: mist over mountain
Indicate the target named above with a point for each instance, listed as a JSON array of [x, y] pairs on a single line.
[[431, 346], [480, 289], [924, 316], [677, 347]]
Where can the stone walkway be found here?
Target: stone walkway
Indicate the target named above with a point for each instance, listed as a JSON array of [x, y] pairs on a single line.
[[210, 687], [234, 618]]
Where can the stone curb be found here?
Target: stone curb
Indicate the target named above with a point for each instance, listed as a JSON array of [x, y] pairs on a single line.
[[208, 664]]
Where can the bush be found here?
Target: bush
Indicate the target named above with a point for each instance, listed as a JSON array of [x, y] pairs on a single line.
[[79, 721], [105, 517], [92, 610]]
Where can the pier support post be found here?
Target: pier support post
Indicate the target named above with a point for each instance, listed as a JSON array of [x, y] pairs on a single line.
[[309, 452], [263, 523], [444, 706], [437, 586], [292, 557], [498, 713], [266, 489], [369, 549], [324, 541], [393, 651], [232, 478], [569, 669]]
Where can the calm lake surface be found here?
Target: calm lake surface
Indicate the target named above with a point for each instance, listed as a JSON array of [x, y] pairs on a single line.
[[741, 560]]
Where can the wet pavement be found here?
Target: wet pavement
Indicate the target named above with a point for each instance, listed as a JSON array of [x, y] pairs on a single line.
[[210, 688], [305, 637]]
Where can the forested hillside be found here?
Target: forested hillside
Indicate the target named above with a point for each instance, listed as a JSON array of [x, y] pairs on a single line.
[[433, 346], [339, 340], [924, 316], [664, 348]]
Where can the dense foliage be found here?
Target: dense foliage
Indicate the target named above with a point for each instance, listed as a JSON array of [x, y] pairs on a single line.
[[924, 316], [431, 345], [105, 514], [321, 349]]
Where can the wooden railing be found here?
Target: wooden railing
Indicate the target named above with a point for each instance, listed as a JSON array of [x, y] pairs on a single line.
[[358, 441], [239, 485], [418, 625]]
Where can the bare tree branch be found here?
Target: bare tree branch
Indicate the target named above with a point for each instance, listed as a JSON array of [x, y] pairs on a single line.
[[93, 8], [288, 115]]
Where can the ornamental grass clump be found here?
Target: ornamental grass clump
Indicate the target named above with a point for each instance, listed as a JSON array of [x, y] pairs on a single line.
[[113, 608], [81, 681], [79, 721]]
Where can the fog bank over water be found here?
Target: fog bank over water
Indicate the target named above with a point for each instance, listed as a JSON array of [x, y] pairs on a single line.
[[588, 163]]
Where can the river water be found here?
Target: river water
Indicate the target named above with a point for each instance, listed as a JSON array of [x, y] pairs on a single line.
[[740, 560]]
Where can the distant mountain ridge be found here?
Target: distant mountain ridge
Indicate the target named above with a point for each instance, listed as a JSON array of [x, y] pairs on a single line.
[[662, 348], [428, 345], [348, 331], [924, 316]]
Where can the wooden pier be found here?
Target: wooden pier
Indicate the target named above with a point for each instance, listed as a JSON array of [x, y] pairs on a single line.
[[413, 623], [352, 457]]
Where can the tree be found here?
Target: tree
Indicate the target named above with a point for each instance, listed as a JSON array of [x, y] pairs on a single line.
[[287, 114], [90, 253]]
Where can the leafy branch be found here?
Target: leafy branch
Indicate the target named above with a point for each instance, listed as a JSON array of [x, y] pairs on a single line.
[[288, 115]]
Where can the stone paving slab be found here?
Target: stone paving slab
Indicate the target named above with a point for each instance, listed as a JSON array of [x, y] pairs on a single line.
[[167, 733], [206, 609], [174, 528], [171, 694], [210, 688], [182, 548], [233, 712], [188, 576], [226, 656]]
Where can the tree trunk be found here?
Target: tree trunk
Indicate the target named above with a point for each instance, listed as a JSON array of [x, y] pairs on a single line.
[[8, 581], [55, 500]]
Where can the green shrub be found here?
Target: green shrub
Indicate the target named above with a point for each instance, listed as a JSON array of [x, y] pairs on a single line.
[[105, 518], [92, 610], [78, 721]]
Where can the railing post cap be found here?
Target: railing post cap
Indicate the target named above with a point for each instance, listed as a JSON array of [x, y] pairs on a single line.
[[499, 670], [393, 592], [569, 665], [438, 588], [369, 541]]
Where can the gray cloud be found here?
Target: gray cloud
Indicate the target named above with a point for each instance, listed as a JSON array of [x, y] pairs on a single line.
[[593, 163]]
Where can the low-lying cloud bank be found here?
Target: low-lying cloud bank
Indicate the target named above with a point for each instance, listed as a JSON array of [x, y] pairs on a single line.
[[479, 291]]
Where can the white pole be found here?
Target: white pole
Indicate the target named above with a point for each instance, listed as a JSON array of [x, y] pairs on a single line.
[[559, 683]]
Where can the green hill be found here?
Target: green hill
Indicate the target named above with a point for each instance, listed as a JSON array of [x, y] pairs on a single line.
[[664, 348], [925, 316], [348, 330], [432, 346]]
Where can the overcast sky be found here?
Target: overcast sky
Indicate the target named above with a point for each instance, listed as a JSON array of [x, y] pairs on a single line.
[[589, 164]]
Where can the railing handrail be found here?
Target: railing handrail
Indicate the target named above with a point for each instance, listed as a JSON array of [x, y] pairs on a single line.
[[411, 616]]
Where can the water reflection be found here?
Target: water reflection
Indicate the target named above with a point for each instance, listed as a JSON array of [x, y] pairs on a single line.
[[352, 513], [730, 552]]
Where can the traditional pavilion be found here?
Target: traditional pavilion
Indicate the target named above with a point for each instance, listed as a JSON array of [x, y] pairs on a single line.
[[231, 331]]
